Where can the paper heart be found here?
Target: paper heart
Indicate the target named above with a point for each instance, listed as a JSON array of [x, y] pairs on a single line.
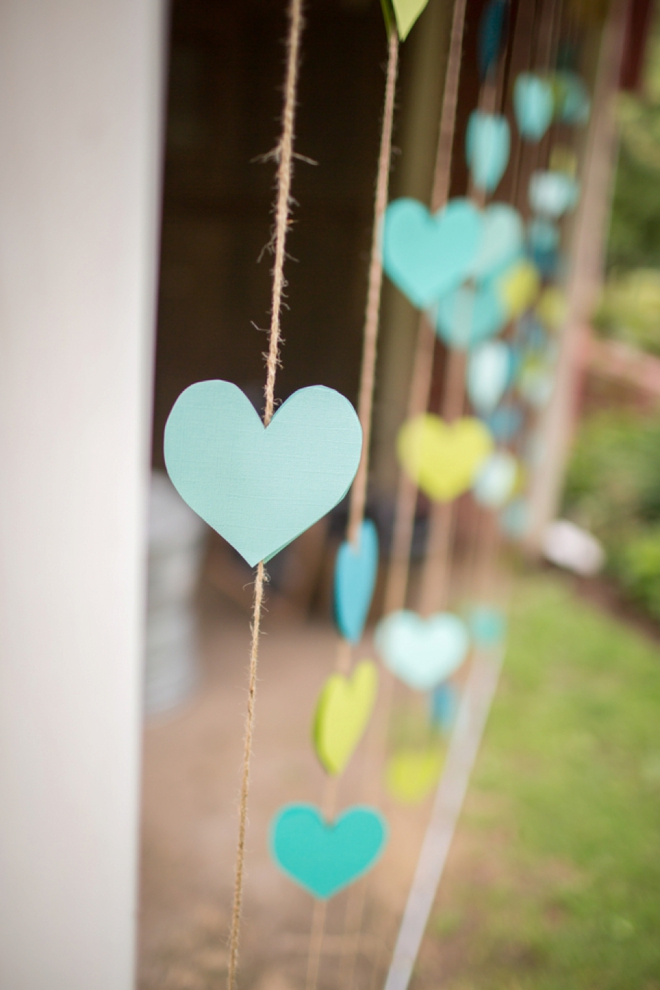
[[355, 577], [552, 308], [501, 243], [422, 652], [425, 255], [487, 625], [505, 422], [492, 35], [572, 96], [443, 459], [324, 857], [543, 240], [514, 519], [261, 487], [342, 714], [487, 146], [533, 104], [536, 382], [470, 314], [444, 706], [551, 194], [412, 774], [518, 288], [489, 371], [496, 480], [406, 13]]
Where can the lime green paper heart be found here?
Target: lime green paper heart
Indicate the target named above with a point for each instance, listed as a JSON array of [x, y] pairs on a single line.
[[411, 774], [443, 459], [342, 713], [406, 13]]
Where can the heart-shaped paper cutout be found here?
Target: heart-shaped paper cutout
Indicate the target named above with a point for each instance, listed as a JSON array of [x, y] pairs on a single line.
[[552, 308], [502, 241], [342, 714], [470, 314], [487, 146], [443, 459], [572, 96], [324, 857], [492, 35], [406, 13], [355, 577], [543, 240], [487, 625], [551, 194], [427, 254], [489, 370], [412, 774], [518, 288], [533, 104], [444, 706], [422, 652], [261, 487], [505, 422], [514, 519], [496, 480]]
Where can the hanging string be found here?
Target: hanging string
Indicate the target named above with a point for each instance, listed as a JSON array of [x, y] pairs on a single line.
[[283, 154], [372, 311]]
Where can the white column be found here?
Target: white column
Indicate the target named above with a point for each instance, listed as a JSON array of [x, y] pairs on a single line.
[[80, 108]]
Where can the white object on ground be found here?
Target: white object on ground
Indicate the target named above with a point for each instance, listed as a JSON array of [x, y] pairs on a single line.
[[573, 548]]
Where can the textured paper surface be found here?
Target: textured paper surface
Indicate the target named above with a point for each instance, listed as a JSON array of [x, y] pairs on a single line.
[[261, 487], [487, 147], [422, 652], [489, 373], [533, 104], [443, 460], [355, 577], [326, 857], [471, 314], [342, 714], [406, 13]]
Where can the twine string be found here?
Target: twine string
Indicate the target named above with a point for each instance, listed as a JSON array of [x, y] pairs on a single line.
[[284, 157]]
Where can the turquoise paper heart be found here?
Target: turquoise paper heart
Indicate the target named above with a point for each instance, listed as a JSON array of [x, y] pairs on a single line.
[[325, 857], [488, 374], [487, 625], [426, 255], [502, 241], [355, 577], [444, 706], [514, 519], [422, 652], [261, 487], [492, 35], [551, 194], [533, 104], [573, 101], [487, 146], [469, 315], [496, 480], [505, 422]]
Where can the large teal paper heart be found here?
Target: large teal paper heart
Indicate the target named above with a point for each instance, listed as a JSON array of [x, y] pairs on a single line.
[[470, 314], [551, 194], [487, 146], [502, 241], [325, 857], [261, 487], [533, 104], [355, 577], [427, 254], [489, 372], [422, 652]]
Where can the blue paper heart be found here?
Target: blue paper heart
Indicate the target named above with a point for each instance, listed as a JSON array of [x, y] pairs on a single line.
[[551, 194], [261, 487], [533, 104], [469, 315], [487, 625], [487, 146], [444, 706], [502, 241], [325, 857], [426, 255], [355, 577], [489, 372], [514, 519], [492, 35], [422, 652], [573, 101], [505, 422]]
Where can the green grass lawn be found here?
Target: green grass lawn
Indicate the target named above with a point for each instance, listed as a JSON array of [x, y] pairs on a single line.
[[554, 881]]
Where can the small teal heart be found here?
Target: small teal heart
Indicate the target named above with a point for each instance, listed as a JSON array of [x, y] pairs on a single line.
[[487, 146], [444, 706], [502, 241], [355, 577], [551, 194], [261, 487], [422, 652], [324, 857], [487, 625], [505, 422], [533, 104], [489, 372], [496, 480], [469, 315], [573, 101], [426, 255]]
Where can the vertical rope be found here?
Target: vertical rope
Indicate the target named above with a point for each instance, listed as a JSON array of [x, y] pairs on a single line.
[[284, 156], [372, 312]]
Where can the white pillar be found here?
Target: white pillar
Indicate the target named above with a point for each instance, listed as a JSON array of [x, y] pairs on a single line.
[[80, 108]]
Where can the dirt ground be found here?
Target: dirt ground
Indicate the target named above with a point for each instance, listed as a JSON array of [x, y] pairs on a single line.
[[192, 760]]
